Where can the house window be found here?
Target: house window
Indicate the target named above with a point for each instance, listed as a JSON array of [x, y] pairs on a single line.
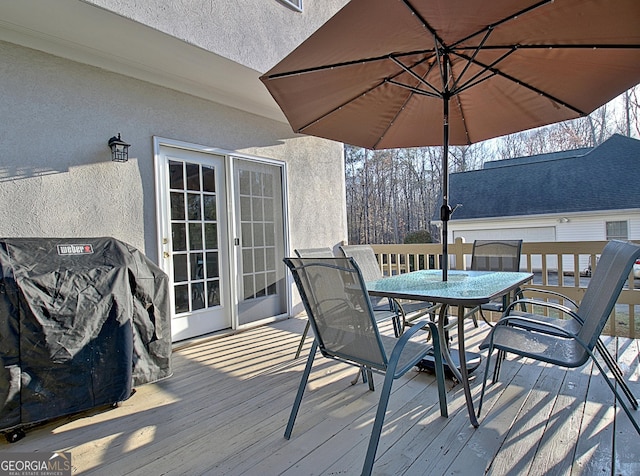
[[296, 4], [617, 230]]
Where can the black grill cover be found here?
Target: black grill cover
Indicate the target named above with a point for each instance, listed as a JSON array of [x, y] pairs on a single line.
[[82, 321]]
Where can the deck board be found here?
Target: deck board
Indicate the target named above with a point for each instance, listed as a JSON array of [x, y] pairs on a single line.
[[224, 410]]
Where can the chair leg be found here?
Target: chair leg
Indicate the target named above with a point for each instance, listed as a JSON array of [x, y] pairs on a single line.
[[484, 318], [484, 380], [389, 377], [304, 336], [301, 388], [615, 392], [617, 373], [357, 377], [377, 424], [499, 359], [474, 318]]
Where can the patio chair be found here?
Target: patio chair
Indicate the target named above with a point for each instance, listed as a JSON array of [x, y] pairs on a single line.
[[343, 321], [540, 323], [310, 253], [569, 344], [495, 255], [381, 314], [409, 310]]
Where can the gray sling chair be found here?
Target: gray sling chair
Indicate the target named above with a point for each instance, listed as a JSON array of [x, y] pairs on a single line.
[[368, 263], [381, 314], [495, 255], [569, 342], [343, 321]]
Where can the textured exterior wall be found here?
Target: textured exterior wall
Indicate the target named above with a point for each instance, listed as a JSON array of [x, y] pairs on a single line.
[[254, 33], [57, 179]]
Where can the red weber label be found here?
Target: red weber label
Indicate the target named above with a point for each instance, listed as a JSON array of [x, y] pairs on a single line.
[[66, 250]]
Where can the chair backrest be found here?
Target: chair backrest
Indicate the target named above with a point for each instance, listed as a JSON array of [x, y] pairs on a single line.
[[606, 283], [314, 252], [366, 259], [496, 255], [338, 307]]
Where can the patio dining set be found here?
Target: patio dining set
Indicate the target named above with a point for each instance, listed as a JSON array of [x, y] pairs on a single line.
[[347, 301]]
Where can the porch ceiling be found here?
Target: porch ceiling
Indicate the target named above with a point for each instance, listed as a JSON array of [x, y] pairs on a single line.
[[87, 34]]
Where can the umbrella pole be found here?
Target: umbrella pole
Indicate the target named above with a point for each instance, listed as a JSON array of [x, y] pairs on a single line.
[[445, 210]]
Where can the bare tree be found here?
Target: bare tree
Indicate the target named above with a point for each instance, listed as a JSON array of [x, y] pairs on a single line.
[[393, 193]]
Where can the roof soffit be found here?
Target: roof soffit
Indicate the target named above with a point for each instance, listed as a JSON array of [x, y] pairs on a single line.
[[85, 33]]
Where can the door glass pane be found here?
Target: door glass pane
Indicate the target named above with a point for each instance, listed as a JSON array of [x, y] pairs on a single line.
[[260, 224], [197, 296], [212, 265], [208, 179], [176, 175], [213, 293], [195, 236], [193, 206], [182, 298], [177, 205], [179, 236], [193, 176], [194, 226], [211, 235], [257, 209], [209, 207], [180, 271], [197, 266]]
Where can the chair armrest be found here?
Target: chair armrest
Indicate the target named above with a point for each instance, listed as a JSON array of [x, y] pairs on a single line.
[[546, 291], [525, 322], [550, 305], [402, 342]]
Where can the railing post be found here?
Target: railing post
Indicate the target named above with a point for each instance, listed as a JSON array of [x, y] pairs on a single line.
[[458, 252]]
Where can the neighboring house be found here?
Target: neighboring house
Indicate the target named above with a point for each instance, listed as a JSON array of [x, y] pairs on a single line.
[[577, 195], [217, 188]]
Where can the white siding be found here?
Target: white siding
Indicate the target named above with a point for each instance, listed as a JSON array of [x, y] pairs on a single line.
[[586, 226]]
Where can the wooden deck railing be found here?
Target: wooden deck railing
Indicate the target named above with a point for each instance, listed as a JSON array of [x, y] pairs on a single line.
[[558, 266]]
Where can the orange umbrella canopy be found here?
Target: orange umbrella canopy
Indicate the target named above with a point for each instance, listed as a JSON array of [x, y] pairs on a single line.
[[408, 73], [377, 73]]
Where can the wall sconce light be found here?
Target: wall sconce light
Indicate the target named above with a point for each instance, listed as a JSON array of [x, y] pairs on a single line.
[[119, 149], [564, 220]]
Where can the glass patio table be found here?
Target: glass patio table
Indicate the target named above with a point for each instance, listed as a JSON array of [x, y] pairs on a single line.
[[463, 289]]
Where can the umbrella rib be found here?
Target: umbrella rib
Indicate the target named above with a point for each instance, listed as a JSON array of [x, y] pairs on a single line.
[[340, 106], [496, 71], [504, 20], [414, 89], [424, 22], [469, 62], [473, 81], [419, 78], [592, 46], [315, 69]]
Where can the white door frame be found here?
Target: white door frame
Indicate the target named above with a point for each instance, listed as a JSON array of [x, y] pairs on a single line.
[[162, 213]]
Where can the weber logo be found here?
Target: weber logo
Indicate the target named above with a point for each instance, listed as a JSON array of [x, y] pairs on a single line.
[[66, 250]]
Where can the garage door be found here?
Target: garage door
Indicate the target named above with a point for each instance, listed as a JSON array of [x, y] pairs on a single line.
[[543, 233]]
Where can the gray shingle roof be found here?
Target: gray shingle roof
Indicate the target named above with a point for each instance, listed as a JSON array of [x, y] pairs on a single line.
[[606, 177]]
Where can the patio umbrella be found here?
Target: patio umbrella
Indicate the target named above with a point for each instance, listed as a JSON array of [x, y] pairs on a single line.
[[408, 73]]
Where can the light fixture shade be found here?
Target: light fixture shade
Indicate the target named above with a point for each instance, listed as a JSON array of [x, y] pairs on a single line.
[[119, 149]]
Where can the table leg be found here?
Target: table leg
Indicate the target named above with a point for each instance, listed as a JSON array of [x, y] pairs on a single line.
[[463, 368]]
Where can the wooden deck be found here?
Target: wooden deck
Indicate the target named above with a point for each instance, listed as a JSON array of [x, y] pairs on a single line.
[[224, 410]]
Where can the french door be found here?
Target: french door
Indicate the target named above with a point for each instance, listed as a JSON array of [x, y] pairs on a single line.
[[195, 242], [221, 226], [258, 198]]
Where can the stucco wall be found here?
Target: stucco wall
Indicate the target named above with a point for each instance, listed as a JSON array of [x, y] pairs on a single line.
[[254, 33], [56, 177]]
